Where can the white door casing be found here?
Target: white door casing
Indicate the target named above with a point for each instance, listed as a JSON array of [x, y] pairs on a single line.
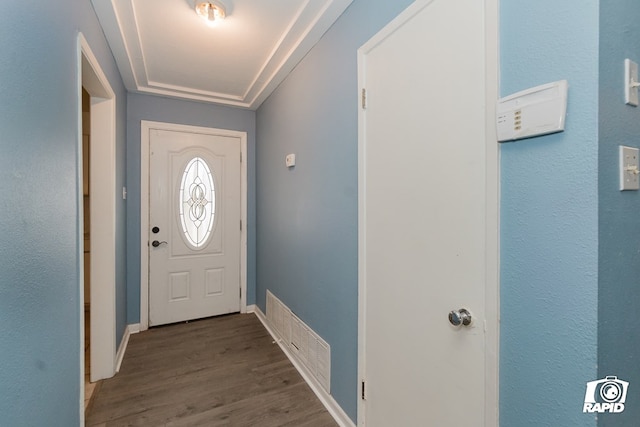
[[206, 273], [428, 217], [103, 224]]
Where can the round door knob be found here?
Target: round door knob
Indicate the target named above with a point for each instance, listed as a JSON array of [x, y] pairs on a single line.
[[460, 317]]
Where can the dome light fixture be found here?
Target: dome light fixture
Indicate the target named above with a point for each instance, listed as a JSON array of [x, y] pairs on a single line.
[[210, 10]]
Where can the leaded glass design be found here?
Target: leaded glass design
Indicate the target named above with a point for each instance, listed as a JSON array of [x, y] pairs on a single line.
[[197, 202]]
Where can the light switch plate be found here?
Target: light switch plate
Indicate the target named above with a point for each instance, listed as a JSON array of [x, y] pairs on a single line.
[[630, 77], [629, 172]]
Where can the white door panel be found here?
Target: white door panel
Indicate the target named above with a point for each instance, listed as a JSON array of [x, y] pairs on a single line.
[[193, 272], [423, 223]]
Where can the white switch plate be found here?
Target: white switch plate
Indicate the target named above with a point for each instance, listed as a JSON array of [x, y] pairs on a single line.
[[629, 179], [290, 160], [630, 77]]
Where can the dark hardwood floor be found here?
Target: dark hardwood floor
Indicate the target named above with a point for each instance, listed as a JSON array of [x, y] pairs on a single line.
[[223, 371]]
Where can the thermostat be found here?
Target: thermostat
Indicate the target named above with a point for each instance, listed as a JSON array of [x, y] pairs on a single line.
[[533, 112]]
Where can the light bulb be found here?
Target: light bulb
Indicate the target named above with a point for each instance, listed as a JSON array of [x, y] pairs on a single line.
[[211, 12]]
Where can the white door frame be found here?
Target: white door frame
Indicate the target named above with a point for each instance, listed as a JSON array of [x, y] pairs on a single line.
[[103, 222], [145, 128], [492, 279]]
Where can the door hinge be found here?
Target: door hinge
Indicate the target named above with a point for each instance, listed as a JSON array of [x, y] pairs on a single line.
[[363, 396], [241, 157], [240, 225], [364, 99], [240, 293]]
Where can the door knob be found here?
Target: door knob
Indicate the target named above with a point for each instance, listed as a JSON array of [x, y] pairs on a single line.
[[156, 243], [460, 317]]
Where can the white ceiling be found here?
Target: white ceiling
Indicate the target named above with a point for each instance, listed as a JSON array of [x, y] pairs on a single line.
[[162, 47]]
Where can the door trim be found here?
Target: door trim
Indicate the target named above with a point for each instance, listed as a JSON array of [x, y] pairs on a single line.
[[145, 128], [103, 223], [492, 260]]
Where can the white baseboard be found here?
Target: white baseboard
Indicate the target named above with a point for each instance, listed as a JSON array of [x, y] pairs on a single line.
[[130, 329], [251, 308], [327, 400]]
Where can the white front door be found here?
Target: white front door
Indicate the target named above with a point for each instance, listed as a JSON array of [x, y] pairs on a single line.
[[428, 215], [194, 226]]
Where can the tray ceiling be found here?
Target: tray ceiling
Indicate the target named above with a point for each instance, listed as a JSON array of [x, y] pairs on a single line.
[[162, 47]]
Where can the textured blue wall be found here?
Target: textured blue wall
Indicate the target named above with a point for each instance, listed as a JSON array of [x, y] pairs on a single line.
[[307, 216], [549, 220], [160, 109], [619, 221], [40, 312]]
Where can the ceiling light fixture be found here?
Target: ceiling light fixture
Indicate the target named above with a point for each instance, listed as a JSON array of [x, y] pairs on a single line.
[[210, 10]]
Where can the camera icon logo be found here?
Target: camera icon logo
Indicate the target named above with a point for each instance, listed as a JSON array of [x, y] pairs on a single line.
[[605, 395]]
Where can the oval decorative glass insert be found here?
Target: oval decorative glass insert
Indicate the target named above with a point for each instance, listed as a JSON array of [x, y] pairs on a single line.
[[197, 202]]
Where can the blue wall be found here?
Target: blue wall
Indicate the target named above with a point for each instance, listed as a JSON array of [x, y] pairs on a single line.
[[619, 221], [307, 216], [40, 314], [549, 220], [159, 109]]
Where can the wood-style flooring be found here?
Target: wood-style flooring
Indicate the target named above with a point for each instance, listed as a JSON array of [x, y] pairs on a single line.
[[222, 371]]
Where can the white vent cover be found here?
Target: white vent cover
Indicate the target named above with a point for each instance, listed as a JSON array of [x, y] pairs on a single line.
[[306, 345]]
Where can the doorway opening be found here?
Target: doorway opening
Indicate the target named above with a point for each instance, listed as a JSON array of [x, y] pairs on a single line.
[[96, 177], [86, 207]]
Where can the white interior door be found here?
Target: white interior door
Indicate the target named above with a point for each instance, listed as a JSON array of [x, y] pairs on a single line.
[[427, 233], [194, 226]]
